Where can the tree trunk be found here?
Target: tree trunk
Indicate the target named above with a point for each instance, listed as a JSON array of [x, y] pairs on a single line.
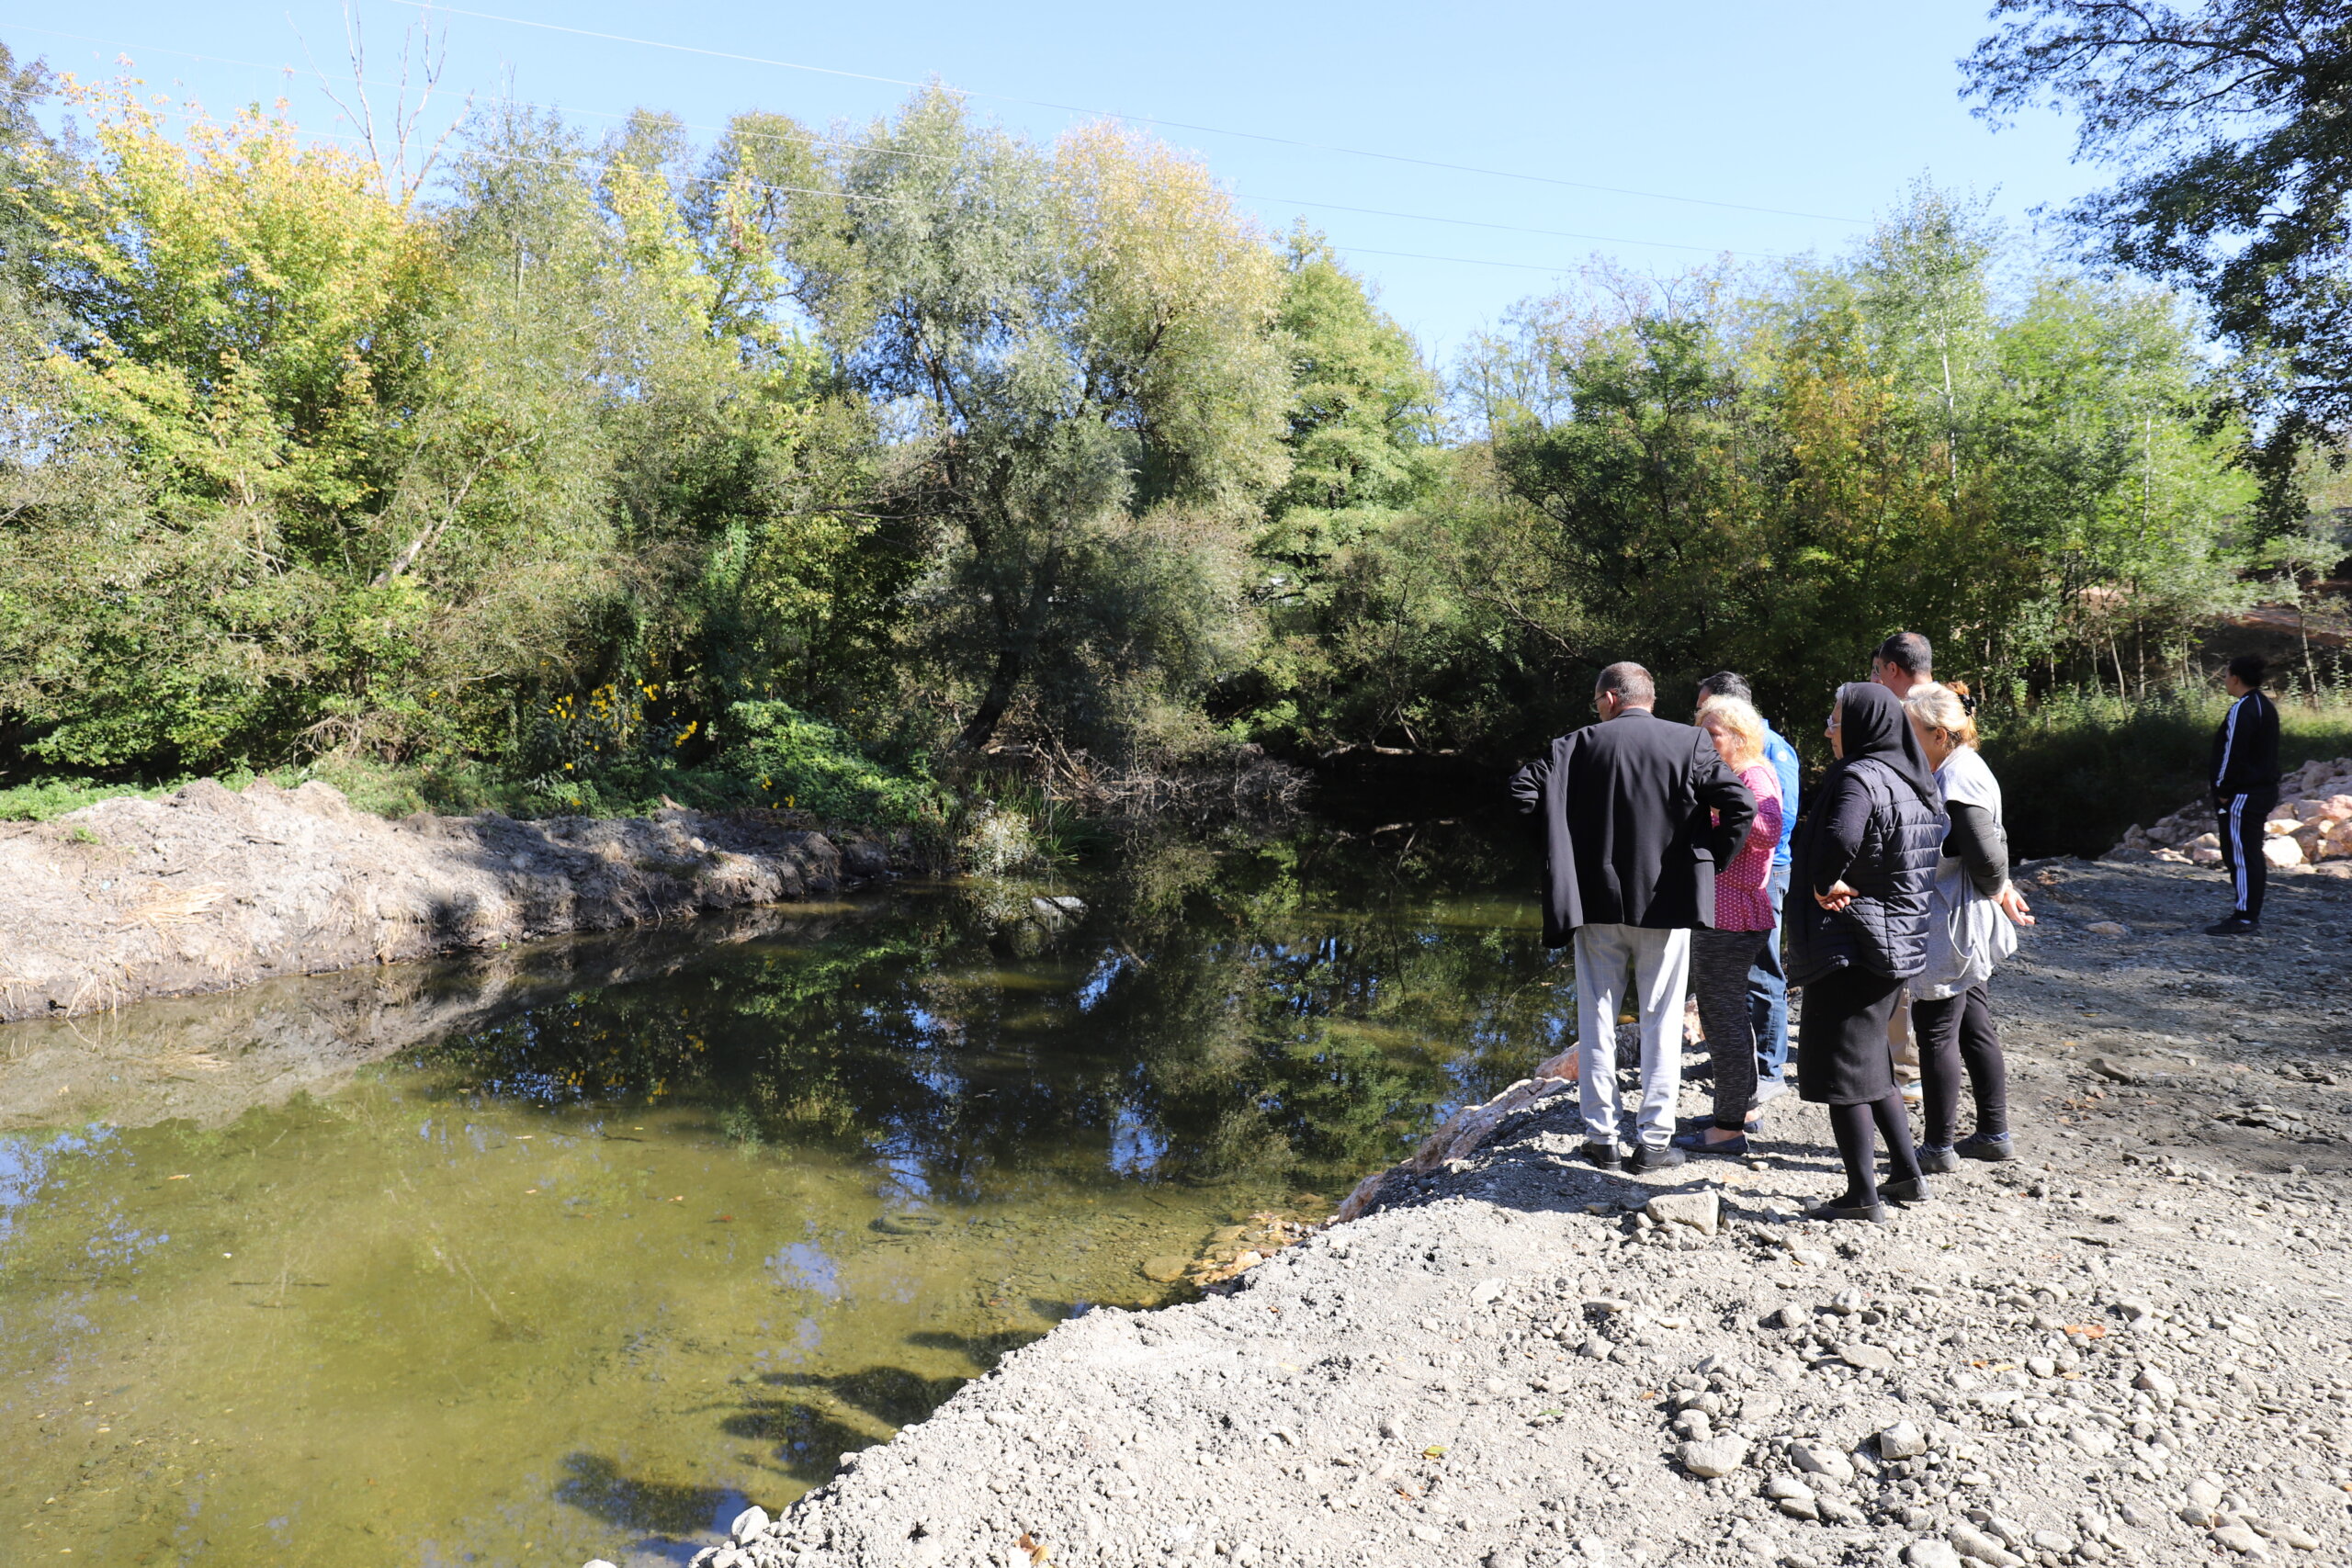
[[1001, 685]]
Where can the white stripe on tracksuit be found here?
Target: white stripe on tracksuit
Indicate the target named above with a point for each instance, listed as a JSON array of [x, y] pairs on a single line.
[[2237, 846]]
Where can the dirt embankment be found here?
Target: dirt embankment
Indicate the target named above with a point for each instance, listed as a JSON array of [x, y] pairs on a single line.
[[208, 888], [2131, 1346]]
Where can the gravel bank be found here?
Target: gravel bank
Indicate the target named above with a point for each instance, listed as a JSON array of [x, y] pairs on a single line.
[[209, 888], [2130, 1345]]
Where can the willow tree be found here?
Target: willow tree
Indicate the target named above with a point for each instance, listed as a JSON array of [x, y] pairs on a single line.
[[1082, 400]]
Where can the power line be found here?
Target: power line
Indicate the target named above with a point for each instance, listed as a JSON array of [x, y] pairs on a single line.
[[859, 146], [1140, 119]]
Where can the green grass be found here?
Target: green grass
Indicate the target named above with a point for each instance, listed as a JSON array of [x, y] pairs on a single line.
[[2080, 768]]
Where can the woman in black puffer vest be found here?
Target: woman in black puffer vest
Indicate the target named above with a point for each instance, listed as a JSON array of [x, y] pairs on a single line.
[[1867, 853]]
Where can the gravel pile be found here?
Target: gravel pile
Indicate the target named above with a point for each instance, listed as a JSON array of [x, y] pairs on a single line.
[[2129, 1346]]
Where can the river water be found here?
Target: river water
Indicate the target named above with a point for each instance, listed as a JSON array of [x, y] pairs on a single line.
[[571, 1252]]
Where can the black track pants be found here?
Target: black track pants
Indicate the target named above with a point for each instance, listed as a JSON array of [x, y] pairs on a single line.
[[2241, 836]]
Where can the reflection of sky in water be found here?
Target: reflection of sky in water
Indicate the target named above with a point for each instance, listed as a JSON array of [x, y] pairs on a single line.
[[1107, 970], [903, 1177], [1135, 1146], [26, 1161], [803, 1266]]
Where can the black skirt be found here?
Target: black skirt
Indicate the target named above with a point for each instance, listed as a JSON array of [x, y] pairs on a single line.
[[1843, 1054]]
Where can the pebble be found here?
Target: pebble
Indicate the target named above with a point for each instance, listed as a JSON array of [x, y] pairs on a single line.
[[1902, 1440], [1714, 1456], [1165, 1270], [1975, 1543], [1848, 1301], [1821, 1459], [2240, 1540], [1870, 1357], [1930, 1552], [750, 1525], [1702, 1211]]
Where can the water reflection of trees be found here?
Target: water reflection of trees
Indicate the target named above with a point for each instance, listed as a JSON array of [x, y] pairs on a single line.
[[1290, 1008]]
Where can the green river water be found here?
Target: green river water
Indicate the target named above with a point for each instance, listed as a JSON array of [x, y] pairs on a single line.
[[571, 1252]]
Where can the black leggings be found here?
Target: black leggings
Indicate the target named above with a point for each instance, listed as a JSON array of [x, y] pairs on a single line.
[[1851, 1123], [1955, 1032]]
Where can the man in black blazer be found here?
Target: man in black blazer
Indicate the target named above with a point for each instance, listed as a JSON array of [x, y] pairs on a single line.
[[1638, 812]]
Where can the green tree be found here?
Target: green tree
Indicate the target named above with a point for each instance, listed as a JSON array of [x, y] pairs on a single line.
[[2227, 119]]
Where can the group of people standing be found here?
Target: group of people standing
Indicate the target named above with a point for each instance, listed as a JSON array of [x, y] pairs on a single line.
[[1676, 861]]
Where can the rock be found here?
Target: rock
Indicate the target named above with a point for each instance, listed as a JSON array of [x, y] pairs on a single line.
[[1805, 1507], [2156, 1382], [1930, 1552], [1975, 1545], [2282, 852], [1595, 1348], [1391, 1426], [1822, 1459], [1787, 1486], [2302, 1541], [595, 1563], [1870, 1357], [2204, 1496], [1165, 1270], [2113, 1072], [1713, 1457], [1902, 1440], [1700, 1211], [2050, 1541], [1848, 1301], [1426, 1535], [2240, 1540], [1487, 1292], [2107, 928], [2096, 1441], [1788, 1317], [750, 1525]]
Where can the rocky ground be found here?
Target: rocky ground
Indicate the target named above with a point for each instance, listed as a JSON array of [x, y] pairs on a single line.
[[208, 888], [2130, 1345]]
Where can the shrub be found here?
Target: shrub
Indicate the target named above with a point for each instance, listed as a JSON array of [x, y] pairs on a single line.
[[2080, 768], [803, 762]]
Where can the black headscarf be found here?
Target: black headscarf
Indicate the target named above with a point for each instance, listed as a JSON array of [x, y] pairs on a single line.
[[1872, 724]]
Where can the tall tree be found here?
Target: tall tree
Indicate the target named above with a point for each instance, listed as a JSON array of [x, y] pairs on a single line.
[[2231, 121]]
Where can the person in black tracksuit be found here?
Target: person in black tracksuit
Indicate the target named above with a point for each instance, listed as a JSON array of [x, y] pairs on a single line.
[[2246, 786]]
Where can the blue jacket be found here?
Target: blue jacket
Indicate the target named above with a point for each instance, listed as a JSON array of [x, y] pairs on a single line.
[[1783, 758]]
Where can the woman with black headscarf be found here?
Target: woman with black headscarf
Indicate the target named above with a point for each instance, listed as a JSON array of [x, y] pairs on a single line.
[[1867, 853]]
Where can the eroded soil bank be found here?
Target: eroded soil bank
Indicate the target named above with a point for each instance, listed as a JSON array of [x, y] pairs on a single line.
[[2130, 1345], [209, 888]]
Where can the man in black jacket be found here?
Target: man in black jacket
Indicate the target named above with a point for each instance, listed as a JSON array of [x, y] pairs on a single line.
[[2246, 786], [1631, 854]]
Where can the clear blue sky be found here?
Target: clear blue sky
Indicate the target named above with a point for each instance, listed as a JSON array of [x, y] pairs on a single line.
[[1826, 109]]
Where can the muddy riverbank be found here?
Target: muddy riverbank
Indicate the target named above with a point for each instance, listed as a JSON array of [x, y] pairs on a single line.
[[207, 889], [2129, 1346]]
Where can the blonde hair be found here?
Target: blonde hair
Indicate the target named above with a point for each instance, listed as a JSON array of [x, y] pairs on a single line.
[[1745, 727], [1934, 704]]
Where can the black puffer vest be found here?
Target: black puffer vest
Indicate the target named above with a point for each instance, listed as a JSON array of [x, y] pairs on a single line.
[[1884, 929]]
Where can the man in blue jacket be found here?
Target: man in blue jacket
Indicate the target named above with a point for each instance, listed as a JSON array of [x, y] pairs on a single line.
[[2246, 786], [1768, 983]]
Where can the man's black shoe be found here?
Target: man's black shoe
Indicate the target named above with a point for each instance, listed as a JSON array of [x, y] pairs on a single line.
[[1603, 1155], [1656, 1157], [2236, 925]]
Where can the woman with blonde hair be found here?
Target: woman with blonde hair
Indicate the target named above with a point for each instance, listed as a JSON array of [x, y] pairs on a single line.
[[1721, 957], [1970, 912]]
